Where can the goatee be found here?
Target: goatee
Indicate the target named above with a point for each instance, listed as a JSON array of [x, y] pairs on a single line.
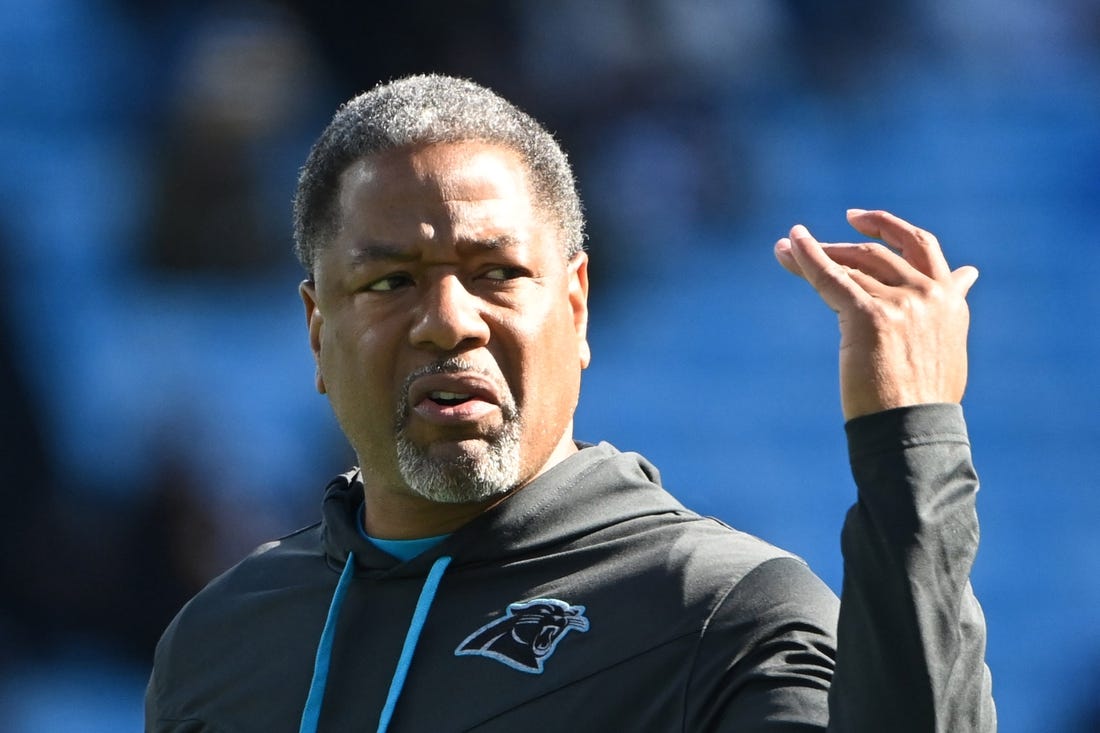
[[487, 468]]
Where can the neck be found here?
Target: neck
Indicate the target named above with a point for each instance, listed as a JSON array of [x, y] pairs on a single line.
[[400, 514], [391, 515]]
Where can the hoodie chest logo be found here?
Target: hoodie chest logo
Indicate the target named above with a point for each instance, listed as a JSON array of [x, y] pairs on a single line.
[[527, 635]]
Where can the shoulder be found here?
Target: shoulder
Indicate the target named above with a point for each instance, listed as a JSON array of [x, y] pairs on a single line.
[[272, 571], [768, 648], [752, 580], [272, 567], [265, 612], [700, 573]]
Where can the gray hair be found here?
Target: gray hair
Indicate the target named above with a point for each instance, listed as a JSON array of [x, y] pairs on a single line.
[[419, 110]]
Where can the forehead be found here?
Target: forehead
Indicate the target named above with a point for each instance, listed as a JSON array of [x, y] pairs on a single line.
[[465, 185]]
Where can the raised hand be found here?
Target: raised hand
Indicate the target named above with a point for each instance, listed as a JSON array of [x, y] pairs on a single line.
[[902, 311]]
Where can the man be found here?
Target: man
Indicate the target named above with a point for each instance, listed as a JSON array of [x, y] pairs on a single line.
[[481, 570]]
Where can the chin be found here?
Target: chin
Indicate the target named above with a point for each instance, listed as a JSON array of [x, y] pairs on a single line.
[[461, 472]]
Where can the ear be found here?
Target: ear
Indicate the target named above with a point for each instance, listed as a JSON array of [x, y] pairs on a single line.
[[578, 301], [315, 322]]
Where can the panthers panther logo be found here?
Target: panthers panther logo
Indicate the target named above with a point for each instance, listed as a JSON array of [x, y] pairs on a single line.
[[528, 633]]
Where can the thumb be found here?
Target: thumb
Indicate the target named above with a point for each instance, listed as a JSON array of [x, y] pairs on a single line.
[[964, 278]]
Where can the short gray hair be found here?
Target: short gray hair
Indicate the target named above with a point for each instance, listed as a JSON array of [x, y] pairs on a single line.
[[420, 110]]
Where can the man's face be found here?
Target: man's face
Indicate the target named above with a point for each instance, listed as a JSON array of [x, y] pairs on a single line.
[[448, 329]]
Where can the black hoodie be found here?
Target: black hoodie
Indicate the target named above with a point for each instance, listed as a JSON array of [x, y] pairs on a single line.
[[591, 600]]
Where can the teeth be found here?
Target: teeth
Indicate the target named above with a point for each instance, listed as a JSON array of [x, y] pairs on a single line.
[[442, 395]]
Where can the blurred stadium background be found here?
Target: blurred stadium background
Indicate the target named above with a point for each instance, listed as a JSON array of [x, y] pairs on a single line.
[[158, 418]]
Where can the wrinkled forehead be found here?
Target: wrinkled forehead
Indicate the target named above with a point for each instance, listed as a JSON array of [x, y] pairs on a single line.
[[474, 185], [452, 171]]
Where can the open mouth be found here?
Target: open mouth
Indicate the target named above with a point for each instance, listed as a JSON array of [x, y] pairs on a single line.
[[454, 398], [448, 399], [452, 407]]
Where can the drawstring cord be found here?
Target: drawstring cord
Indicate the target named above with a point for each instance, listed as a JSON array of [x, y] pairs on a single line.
[[311, 715], [420, 615]]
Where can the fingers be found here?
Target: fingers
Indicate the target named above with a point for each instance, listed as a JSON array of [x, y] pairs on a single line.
[[918, 247], [871, 258], [874, 260], [921, 255], [783, 253], [831, 280], [902, 312]]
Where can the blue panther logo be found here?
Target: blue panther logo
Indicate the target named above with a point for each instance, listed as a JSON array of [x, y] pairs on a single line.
[[528, 633]]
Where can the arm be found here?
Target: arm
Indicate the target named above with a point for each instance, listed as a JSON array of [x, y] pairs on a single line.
[[911, 635]]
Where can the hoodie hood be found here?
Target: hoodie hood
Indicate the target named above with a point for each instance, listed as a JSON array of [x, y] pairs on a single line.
[[542, 513]]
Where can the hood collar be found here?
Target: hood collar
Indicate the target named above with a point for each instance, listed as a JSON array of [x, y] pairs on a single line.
[[594, 488]]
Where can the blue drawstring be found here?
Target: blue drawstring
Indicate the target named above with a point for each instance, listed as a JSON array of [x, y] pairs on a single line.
[[312, 713], [420, 614]]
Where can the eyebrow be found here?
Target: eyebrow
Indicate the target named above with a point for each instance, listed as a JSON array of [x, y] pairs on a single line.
[[502, 241], [375, 251], [380, 252]]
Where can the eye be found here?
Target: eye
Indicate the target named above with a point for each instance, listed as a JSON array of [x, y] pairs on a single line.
[[504, 273], [389, 283]]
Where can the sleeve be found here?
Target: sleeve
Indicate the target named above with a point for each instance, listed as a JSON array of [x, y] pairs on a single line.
[[911, 635], [156, 722], [766, 658], [158, 719], [153, 722]]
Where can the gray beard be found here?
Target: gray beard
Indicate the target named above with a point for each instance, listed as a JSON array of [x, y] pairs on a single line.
[[489, 471]]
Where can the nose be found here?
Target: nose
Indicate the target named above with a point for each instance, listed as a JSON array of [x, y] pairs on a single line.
[[449, 318]]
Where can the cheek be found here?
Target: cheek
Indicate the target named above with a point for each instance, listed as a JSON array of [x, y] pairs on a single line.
[[333, 356], [353, 368], [551, 368]]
